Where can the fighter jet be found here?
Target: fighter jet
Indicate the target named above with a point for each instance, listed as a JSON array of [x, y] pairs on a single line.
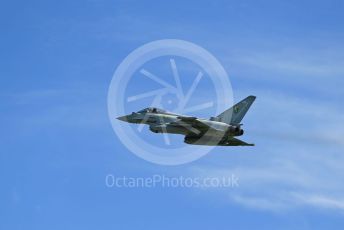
[[220, 130]]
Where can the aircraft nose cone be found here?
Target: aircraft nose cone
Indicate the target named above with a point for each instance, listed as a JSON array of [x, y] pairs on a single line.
[[122, 118]]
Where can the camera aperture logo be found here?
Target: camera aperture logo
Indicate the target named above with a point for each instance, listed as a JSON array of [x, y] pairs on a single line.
[[173, 75]]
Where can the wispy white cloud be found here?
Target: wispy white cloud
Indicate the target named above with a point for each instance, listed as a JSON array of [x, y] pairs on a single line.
[[296, 67], [45, 108], [293, 62], [322, 201]]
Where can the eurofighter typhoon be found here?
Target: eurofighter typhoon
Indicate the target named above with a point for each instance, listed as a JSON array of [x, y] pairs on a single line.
[[220, 130]]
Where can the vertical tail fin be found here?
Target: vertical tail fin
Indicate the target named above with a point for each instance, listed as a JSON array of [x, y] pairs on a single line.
[[235, 114]]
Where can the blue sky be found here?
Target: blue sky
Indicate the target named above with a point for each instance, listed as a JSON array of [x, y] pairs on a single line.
[[57, 143]]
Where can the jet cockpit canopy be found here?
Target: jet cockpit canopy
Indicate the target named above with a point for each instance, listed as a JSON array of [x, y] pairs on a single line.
[[152, 110]]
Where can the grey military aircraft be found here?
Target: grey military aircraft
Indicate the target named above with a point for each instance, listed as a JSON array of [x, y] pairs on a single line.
[[220, 130]]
